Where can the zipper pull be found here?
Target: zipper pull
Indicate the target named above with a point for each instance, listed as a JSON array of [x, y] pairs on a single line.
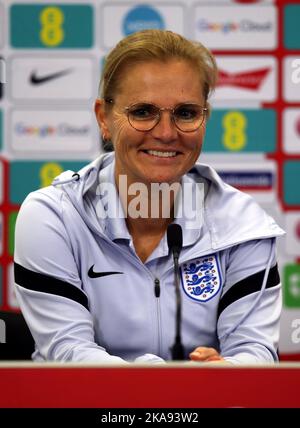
[[156, 287]]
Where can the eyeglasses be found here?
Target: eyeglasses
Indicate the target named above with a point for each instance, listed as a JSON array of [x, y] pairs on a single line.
[[187, 117]]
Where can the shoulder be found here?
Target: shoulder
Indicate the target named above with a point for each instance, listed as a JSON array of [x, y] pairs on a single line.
[[42, 200], [41, 213]]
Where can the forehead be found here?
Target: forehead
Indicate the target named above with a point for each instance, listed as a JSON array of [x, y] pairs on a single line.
[[173, 81]]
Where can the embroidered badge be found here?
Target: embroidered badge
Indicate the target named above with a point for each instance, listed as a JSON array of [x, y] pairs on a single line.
[[201, 278]]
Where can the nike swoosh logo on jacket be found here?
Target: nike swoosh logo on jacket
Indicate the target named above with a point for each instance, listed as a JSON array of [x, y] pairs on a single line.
[[93, 274]]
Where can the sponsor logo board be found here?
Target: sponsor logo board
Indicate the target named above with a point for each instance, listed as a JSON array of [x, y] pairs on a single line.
[[55, 78], [292, 238], [236, 27], [291, 130], [291, 78], [291, 16], [56, 132], [1, 183], [119, 20], [257, 179], [27, 176], [291, 189], [1, 233], [1, 127], [1, 292], [239, 1], [289, 331], [12, 218], [246, 78], [3, 75], [2, 29], [291, 285], [241, 130], [48, 26]]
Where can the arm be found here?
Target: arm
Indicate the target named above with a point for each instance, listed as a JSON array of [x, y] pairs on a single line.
[[48, 285], [247, 337]]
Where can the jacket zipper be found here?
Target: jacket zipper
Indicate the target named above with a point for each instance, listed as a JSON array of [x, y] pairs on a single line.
[[156, 287], [156, 294]]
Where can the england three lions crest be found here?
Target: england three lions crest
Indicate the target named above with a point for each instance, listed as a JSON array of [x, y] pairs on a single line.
[[201, 278]]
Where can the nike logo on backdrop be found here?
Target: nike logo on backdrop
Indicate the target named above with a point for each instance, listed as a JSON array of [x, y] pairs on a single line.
[[93, 274], [35, 79]]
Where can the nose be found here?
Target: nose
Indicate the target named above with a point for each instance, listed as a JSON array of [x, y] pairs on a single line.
[[165, 130]]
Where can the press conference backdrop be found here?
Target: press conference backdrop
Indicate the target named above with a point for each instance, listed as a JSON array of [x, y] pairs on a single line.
[[51, 59]]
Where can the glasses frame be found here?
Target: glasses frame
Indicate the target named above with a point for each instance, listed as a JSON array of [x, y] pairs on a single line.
[[171, 110]]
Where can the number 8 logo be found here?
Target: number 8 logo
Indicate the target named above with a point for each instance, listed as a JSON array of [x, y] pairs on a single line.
[[234, 124], [52, 33]]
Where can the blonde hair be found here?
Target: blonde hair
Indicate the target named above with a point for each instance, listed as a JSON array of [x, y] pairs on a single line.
[[160, 45]]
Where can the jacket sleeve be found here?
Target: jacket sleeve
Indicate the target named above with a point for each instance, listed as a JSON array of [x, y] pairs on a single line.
[[250, 305], [48, 285]]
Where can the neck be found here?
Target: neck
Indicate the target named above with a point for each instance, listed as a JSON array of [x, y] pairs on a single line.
[[142, 226]]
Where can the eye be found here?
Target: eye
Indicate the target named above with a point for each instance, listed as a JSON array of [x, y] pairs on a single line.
[[143, 111], [187, 112]]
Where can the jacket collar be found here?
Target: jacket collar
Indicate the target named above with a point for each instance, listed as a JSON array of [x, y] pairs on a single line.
[[230, 216]]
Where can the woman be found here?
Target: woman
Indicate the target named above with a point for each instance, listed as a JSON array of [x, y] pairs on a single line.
[[93, 272]]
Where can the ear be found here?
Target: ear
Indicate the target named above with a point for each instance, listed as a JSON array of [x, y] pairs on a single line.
[[101, 116]]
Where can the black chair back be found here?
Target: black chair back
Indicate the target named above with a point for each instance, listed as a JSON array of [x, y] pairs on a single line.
[[19, 343]]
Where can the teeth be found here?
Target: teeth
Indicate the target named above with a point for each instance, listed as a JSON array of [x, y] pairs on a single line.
[[161, 154]]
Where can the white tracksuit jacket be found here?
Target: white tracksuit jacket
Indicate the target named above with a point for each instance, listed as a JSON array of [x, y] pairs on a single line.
[[86, 296]]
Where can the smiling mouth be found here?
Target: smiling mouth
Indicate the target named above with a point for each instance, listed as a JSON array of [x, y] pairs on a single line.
[[161, 154]]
